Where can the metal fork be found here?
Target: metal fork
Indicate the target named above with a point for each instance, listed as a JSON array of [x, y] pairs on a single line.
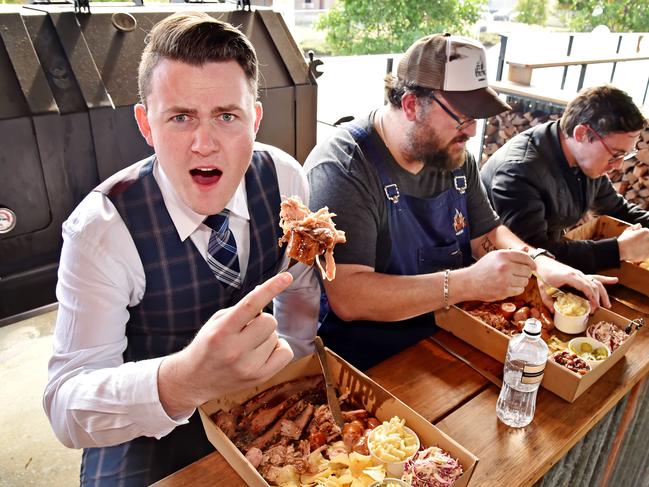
[[291, 262], [554, 292]]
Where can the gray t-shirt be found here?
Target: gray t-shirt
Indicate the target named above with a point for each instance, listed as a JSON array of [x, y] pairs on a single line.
[[342, 178]]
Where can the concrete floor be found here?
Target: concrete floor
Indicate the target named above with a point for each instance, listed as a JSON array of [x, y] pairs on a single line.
[[31, 454]]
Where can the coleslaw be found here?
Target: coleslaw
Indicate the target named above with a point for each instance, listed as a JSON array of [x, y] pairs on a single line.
[[607, 333], [432, 467]]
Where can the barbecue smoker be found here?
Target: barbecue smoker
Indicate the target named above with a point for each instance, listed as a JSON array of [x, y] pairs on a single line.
[[69, 83]]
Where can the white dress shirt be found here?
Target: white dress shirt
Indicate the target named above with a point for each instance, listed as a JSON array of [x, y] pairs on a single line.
[[92, 397]]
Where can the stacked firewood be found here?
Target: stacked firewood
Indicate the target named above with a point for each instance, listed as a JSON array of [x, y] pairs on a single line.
[[503, 127], [631, 180]]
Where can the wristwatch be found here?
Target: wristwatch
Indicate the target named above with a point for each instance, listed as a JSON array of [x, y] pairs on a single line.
[[539, 251]]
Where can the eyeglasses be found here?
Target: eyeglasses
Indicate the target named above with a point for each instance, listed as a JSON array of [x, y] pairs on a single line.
[[614, 157], [461, 124]]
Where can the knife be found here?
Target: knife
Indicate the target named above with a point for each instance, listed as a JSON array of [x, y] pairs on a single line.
[[332, 398], [484, 373]]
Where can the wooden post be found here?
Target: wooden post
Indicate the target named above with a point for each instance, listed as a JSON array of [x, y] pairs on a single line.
[[520, 73]]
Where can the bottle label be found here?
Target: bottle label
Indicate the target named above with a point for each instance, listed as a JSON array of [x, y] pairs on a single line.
[[533, 373]]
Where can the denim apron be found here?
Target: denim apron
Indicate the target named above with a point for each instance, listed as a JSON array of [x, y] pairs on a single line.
[[427, 235]]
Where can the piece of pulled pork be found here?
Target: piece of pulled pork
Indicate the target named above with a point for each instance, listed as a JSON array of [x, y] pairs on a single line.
[[309, 234]]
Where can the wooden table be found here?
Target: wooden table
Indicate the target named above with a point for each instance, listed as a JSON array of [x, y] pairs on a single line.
[[462, 403], [521, 71]]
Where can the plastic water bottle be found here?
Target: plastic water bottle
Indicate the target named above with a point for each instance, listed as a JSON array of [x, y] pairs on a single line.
[[526, 357]]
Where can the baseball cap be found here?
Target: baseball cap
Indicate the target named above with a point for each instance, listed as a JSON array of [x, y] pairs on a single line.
[[458, 67]]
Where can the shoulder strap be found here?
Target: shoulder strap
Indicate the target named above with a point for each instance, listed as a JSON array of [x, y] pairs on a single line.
[[361, 137]]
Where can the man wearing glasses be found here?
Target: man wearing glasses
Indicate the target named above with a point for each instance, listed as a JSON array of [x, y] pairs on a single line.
[[409, 197], [547, 178]]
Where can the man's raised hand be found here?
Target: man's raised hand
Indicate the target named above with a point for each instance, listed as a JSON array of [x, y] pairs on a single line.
[[238, 347]]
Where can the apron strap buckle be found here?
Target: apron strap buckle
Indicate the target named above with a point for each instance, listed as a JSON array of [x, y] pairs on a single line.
[[392, 192], [460, 183]]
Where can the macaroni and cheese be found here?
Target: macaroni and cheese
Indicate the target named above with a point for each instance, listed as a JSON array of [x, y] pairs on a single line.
[[392, 441], [571, 305]]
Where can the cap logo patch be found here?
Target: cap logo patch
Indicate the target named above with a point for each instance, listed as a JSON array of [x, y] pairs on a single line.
[[480, 71]]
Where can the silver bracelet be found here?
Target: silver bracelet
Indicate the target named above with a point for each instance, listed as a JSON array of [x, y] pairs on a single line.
[[447, 273]]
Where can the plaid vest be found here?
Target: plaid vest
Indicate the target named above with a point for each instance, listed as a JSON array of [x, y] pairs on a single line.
[[181, 293]]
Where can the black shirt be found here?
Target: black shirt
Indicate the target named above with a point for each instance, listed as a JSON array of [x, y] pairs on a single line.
[[538, 196]]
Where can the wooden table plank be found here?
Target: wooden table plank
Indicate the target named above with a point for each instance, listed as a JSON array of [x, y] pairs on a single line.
[[431, 381], [437, 385], [556, 96], [521, 72], [516, 457], [639, 302], [209, 470], [574, 61]]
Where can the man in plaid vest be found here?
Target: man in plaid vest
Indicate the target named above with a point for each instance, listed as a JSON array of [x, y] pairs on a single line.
[[167, 265]]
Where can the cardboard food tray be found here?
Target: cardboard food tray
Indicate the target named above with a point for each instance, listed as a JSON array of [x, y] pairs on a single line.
[[364, 390], [630, 275], [557, 379]]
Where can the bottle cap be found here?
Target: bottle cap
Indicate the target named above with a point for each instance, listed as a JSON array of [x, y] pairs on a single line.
[[532, 327]]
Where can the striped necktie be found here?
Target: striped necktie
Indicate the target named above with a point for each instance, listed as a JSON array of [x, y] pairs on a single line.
[[222, 250]]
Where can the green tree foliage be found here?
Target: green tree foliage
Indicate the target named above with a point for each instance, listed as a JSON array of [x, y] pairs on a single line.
[[617, 15], [382, 26], [532, 12]]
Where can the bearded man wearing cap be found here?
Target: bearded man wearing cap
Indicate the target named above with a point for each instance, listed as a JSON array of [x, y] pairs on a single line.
[[409, 197], [544, 180]]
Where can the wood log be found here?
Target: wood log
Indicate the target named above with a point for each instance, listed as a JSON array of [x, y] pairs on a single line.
[[628, 165], [615, 175], [520, 120], [491, 148], [640, 169], [643, 156], [621, 187], [645, 181]]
